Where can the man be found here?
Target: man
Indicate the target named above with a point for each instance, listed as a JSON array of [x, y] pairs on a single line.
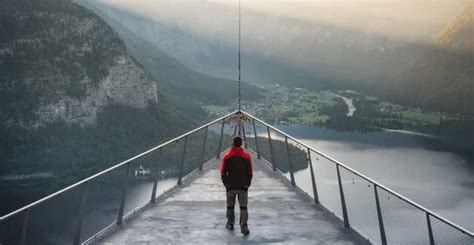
[[236, 174]]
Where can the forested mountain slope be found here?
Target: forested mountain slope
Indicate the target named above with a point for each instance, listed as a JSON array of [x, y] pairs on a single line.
[[443, 79], [173, 76], [73, 100]]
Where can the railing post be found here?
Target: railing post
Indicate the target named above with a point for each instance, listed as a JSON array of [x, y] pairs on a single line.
[[313, 180], [235, 130], [24, 227], [124, 194], [379, 215], [343, 201], [203, 151], [219, 148], [256, 140], [244, 135], [430, 230], [155, 181], [80, 217], [183, 156], [290, 164], [271, 149]]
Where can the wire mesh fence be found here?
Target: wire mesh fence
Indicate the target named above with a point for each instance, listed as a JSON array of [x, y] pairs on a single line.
[[11, 228], [446, 234], [212, 141], [280, 153], [262, 139], [194, 154], [139, 182], [265, 143], [84, 210], [103, 201], [99, 202], [301, 169], [379, 215], [403, 222], [361, 205], [327, 184], [54, 221]]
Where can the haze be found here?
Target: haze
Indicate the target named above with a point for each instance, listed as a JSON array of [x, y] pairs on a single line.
[[418, 20]]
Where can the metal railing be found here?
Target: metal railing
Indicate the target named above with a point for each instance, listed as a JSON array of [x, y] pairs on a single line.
[[393, 219], [85, 210]]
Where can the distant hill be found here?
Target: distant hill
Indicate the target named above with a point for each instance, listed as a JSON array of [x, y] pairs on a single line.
[[459, 34], [173, 77], [444, 77]]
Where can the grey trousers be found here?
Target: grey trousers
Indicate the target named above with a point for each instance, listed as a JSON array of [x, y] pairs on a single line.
[[243, 198]]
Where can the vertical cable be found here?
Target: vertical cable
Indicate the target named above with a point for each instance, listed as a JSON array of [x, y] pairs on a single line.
[[239, 57]]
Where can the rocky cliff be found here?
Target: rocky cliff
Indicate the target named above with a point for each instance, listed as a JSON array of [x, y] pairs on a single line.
[[61, 62], [126, 84]]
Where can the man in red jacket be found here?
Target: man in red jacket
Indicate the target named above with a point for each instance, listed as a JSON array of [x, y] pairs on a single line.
[[236, 174]]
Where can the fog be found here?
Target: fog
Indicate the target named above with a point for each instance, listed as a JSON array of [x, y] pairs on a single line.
[[418, 20], [355, 41]]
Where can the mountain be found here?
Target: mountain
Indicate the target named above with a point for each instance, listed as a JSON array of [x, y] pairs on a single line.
[[73, 100], [443, 79], [458, 35], [315, 54], [61, 65], [211, 55], [173, 76], [275, 48]]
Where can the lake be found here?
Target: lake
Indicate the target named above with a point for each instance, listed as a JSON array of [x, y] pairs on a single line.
[[411, 164]]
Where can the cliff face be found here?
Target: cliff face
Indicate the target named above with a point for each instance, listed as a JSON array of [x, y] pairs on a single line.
[[126, 84], [59, 61]]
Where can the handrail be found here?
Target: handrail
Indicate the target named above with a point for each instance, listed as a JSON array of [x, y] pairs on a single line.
[[337, 163], [111, 168], [363, 176], [139, 207]]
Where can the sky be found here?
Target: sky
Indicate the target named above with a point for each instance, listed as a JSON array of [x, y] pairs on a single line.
[[409, 20]]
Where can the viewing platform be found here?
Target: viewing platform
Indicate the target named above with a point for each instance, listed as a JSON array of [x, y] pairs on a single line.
[[172, 193], [195, 213]]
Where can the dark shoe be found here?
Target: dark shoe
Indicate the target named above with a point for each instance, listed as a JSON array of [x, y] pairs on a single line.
[[244, 230], [229, 226]]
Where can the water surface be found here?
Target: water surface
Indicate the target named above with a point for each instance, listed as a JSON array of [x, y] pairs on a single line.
[[412, 165]]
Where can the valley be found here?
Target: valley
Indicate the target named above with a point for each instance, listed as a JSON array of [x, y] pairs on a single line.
[[283, 105], [85, 85]]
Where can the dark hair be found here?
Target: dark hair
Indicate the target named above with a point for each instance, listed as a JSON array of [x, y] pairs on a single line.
[[237, 141]]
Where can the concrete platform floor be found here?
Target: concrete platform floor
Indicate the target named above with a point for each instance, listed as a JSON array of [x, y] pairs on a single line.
[[195, 213]]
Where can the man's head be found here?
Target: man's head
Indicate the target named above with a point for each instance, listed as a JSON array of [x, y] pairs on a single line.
[[237, 141]]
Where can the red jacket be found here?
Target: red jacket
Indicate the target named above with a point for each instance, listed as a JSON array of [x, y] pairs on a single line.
[[237, 169]]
